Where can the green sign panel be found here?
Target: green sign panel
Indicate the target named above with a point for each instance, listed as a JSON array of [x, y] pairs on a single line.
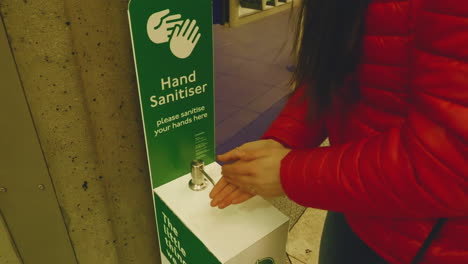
[[173, 49], [177, 242]]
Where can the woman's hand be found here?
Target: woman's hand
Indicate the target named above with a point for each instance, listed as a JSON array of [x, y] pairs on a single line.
[[255, 169], [225, 194]]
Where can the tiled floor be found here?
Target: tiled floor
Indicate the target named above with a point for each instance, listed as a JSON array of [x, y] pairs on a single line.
[[304, 238]]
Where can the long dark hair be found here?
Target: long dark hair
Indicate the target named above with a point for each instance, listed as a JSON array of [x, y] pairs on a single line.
[[328, 47]]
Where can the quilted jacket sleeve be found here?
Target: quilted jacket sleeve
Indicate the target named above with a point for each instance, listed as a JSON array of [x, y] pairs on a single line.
[[419, 169], [292, 129]]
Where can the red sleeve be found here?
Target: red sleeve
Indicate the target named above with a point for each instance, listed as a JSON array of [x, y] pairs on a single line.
[[292, 127], [419, 169]]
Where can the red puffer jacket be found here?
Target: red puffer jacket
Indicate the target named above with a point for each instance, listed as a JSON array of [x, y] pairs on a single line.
[[399, 156]]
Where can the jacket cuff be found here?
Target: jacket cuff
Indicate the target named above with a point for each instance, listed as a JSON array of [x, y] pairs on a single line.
[[289, 180], [303, 188], [278, 137]]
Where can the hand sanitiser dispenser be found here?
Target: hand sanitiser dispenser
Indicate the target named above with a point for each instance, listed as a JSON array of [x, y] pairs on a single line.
[[199, 176], [248, 233], [173, 50]]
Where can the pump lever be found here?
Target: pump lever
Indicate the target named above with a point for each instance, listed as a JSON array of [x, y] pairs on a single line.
[[198, 181], [208, 176]]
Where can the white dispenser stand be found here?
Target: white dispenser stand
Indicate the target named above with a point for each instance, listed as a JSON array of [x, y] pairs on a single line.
[[249, 233]]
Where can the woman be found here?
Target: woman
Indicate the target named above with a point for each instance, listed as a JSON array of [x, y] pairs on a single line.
[[387, 82]]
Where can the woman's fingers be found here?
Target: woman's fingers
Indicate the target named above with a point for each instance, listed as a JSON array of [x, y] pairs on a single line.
[[240, 174], [242, 182], [232, 155], [237, 168], [242, 198], [238, 195], [249, 151], [221, 195], [218, 187]]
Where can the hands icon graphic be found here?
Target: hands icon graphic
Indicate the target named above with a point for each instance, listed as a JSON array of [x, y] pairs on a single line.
[[183, 36], [185, 39], [160, 26]]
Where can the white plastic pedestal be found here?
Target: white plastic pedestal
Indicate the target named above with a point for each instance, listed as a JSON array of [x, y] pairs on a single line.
[[249, 233]]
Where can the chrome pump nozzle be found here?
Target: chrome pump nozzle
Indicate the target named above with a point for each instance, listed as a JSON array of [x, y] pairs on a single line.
[[198, 181]]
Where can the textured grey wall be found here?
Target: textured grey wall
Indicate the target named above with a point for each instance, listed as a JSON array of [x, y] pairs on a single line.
[[75, 62]]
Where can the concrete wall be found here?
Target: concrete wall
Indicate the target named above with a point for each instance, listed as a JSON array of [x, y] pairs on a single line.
[[75, 62]]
